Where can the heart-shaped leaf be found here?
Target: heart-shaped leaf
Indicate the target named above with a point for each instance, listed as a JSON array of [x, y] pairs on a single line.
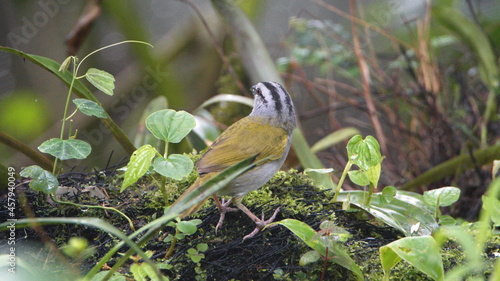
[[364, 153], [101, 80], [444, 196], [170, 125], [66, 149], [176, 166], [42, 180], [90, 108]]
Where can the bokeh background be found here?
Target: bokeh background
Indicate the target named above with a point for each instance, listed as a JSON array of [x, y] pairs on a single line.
[[425, 79]]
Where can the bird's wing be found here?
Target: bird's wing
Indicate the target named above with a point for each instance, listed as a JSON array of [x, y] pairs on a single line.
[[241, 140]]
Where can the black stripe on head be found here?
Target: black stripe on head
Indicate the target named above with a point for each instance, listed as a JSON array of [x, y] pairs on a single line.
[[289, 104], [275, 95]]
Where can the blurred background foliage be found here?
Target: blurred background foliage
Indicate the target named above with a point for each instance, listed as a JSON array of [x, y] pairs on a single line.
[[421, 76]]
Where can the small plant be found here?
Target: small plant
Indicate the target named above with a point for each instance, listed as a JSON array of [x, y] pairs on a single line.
[[325, 244], [364, 153], [67, 146], [405, 211], [169, 126], [142, 271], [182, 229], [442, 197], [196, 254]]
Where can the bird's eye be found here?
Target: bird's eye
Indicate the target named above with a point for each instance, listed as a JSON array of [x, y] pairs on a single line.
[[258, 91]]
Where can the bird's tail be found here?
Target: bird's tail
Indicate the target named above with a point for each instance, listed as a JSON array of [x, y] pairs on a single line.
[[188, 191]]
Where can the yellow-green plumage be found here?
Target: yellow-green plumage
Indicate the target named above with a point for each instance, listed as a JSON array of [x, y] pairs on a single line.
[[253, 129]]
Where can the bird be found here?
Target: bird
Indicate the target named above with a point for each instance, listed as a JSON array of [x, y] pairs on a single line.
[[265, 132]]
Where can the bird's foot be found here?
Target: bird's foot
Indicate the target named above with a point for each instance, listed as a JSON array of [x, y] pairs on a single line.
[[223, 209], [261, 223]]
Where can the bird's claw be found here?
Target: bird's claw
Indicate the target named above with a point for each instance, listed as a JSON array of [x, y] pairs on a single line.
[[261, 223], [223, 209]]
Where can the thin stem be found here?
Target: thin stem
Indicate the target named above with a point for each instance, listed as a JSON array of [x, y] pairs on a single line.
[[109, 46], [72, 114], [325, 263], [61, 135], [163, 179], [342, 178], [95, 207], [172, 245]]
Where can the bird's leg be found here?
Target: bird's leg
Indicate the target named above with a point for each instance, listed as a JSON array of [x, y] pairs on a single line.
[[223, 209], [260, 223]]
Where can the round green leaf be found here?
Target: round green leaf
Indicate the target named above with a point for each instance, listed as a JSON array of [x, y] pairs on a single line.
[[101, 80], [202, 247], [66, 149], [358, 177], [90, 108], [176, 166], [42, 180], [170, 125], [309, 257], [389, 192], [187, 227], [444, 196]]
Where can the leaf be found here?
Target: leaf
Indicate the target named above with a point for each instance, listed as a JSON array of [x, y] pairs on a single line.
[[495, 168], [90, 108], [138, 272], [170, 125], [65, 64], [139, 163], [389, 192], [444, 196], [373, 174], [176, 166], [142, 135], [309, 257], [364, 153], [202, 247], [42, 180], [493, 205], [101, 79], [319, 171], [358, 177], [227, 98], [187, 227], [405, 210], [66, 149], [421, 252]]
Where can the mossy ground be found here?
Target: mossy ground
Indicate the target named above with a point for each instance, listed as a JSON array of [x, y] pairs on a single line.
[[273, 254]]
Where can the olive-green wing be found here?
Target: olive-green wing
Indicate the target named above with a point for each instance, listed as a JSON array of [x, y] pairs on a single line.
[[240, 141]]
